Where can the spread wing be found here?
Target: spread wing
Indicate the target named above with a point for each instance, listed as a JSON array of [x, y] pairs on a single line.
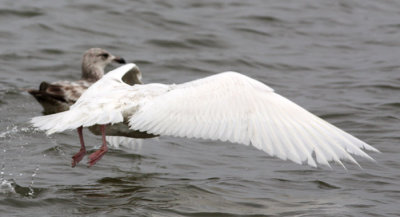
[[232, 107]]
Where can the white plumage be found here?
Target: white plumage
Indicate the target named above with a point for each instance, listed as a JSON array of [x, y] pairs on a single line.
[[228, 106]]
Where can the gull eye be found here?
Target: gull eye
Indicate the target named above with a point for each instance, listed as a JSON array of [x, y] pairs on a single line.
[[104, 55]]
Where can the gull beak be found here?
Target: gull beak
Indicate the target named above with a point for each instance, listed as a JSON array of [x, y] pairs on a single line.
[[119, 60]]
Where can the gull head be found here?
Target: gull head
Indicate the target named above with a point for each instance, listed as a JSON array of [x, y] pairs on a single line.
[[94, 62]]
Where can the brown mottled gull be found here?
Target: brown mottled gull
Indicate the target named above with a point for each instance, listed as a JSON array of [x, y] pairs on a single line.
[[60, 95]]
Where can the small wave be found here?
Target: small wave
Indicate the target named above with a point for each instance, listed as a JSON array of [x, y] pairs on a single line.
[[169, 43], [57, 67], [178, 66], [87, 31], [42, 27], [207, 41], [334, 116], [263, 18], [218, 214], [379, 86], [286, 67], [210, 41], [391, 104], [200, 4], [52, 51], [233, 61], [320, 184], [324, 185], [386, 43], [21, 13], [178, 23], [88, 6], [252, 31]]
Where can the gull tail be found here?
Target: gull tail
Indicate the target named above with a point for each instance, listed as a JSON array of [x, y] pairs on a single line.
[[73, 119]]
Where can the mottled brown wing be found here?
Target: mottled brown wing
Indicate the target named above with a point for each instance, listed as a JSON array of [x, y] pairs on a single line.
[[58, 96]]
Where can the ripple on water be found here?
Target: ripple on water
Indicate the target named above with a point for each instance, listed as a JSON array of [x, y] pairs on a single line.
[[263, 18], [88, 31], [52, 51], [210, 41], [252, 31], [167, 43], [27, 13]]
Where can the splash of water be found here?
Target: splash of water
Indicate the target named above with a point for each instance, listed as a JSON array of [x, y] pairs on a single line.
[[8, 131], [31, 190], [7, 186]]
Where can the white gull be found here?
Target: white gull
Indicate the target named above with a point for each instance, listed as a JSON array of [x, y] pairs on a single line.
[[228, 106]]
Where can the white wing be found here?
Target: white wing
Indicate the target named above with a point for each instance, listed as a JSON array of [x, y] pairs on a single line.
[[232, 107], [100, 104]]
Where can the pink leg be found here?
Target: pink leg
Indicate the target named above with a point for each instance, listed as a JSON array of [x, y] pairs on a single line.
[[96, 156], [78, 156]]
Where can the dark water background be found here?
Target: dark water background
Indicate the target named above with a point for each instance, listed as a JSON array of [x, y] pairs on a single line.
[[339, 59]]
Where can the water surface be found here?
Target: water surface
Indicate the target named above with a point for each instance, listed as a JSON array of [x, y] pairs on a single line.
[[338, 59]]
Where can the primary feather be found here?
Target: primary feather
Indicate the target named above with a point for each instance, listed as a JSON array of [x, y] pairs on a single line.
[[228, 106]]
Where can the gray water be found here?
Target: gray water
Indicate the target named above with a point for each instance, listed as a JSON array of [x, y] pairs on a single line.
[[338, 59]]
